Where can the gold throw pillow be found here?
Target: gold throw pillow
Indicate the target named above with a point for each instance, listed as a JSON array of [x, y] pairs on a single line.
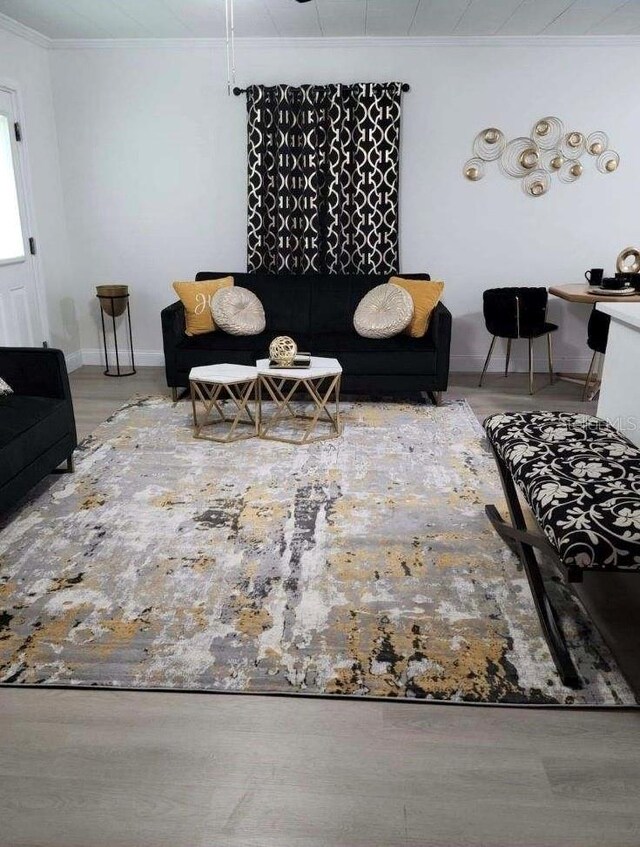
[[425, 295], [196, 298]]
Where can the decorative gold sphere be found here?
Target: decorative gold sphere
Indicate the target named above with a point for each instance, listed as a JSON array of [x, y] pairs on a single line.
[[556, 163], [611, 165], [574, 139], [576, 169], [537, 189], [491, 136], [472, 173], [542, 128], [596, 148], [282, 350]]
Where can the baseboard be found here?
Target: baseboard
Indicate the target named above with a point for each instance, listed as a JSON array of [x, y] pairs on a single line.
[[73, 360], [143, 358], [470, 363], [459, 363]]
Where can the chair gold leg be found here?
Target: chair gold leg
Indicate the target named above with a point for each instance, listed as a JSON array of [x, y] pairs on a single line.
[[531, 366], [506, 364], [550, 354], [487, 360], [587, 381]]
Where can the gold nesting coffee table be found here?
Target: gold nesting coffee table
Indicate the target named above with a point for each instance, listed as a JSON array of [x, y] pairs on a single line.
[[321, 384], [212, 385]]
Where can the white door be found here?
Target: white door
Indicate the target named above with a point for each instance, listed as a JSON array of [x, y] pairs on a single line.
[[20, 323]]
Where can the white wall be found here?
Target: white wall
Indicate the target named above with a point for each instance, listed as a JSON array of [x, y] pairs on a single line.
[[153, 166], [25, 65]]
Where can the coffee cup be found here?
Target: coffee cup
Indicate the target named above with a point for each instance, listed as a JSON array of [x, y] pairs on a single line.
[[594, 276], [626, 277], [612, 283]]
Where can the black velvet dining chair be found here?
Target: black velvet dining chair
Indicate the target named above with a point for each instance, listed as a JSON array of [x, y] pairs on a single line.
[[517, 312], [597, 337]]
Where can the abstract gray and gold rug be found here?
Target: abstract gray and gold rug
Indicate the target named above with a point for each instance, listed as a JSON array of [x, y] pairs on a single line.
[[359, 566]]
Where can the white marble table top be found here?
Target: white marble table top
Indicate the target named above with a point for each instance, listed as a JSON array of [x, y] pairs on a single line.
[[224, 374], [319, 367]]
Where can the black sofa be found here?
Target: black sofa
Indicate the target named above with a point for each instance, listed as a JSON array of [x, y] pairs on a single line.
[[37, 425], [317, 312]]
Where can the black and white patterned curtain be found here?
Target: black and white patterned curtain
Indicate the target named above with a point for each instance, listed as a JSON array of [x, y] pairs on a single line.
[[323, 178]]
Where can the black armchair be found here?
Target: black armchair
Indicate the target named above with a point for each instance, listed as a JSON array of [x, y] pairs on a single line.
[[518, 312], [37, 424]]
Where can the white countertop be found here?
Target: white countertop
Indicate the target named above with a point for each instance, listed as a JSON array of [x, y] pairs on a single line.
[[627, 313]]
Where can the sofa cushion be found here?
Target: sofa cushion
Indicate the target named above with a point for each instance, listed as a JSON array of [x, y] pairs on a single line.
[[28, 427], [383, 312], [425, 296], [221, 341], [286, 299], [238, 311], [351, 342], [335, 298], [420, 363], [196, 298]]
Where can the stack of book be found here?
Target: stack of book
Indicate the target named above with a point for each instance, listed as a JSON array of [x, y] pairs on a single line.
[[301, 360]]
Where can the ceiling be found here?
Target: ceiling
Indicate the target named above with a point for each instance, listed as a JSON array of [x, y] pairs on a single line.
[[95, 19]]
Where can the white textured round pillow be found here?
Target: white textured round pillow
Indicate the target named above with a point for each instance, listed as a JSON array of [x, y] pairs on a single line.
[[384, 311], [238, 311]]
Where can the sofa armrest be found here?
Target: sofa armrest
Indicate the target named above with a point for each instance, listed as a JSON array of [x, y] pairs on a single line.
[[439, 335], [173, 324], [36, 371], [440, 319]]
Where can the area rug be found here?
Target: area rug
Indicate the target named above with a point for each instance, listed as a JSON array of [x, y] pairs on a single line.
[[360, 566]]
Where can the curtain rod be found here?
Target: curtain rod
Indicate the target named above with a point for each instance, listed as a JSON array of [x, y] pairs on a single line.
[[238, 91]]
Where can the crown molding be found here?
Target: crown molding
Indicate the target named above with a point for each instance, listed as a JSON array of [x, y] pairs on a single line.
[[608, 41], [331, 43], [9, 25]]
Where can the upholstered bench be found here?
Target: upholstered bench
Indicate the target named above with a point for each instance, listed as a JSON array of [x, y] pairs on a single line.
[[581, 479]]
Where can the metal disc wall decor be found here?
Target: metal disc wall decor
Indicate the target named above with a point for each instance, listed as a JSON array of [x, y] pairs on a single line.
[[535, 160], [597, 142], [608, 162], [551, 160], [474, 169], [520, 156], [572, 145], [570, 171], [489, 144], [536, 183], [547, 132]]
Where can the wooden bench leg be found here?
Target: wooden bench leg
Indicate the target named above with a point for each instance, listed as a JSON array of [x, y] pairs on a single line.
[[522, 542]]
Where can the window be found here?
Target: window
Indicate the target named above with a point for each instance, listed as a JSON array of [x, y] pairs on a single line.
[[11, 241]]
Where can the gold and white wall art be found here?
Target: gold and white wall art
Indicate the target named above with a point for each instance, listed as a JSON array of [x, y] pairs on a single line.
[[548, 151]]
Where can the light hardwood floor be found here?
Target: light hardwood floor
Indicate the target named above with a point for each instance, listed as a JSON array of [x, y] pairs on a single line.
[[130, 769]]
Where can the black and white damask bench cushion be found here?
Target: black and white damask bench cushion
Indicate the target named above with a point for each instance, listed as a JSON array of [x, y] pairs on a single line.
[[581, 478]]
